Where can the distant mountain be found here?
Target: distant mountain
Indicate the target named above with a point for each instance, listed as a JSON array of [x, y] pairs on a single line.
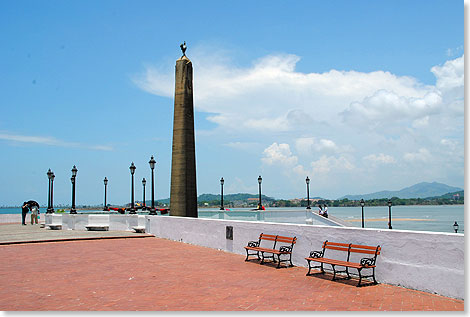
[[231, 197], [421, 190]]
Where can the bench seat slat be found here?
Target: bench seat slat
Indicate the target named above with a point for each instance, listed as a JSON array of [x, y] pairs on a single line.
[[336, 248], [337, 244], [363, 247], [266, 250], [339, 263], [363, 251]]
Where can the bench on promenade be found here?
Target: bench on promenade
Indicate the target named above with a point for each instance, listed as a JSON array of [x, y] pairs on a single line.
[[364, 263], [54, 227], [97, 227], [139, 229], [284, 250]]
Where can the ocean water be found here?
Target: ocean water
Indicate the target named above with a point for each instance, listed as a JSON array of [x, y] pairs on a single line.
[[417, 218]]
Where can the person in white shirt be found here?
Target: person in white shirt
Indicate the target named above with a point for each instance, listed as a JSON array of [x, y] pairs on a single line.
[[34, 215]]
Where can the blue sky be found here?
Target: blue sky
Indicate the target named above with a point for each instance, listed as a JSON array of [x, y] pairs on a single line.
[[361, 96]]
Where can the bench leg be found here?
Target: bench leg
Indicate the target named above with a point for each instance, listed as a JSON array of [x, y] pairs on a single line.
[[262, 258], [334, 272], [360, 277], [279, 261], [347, 272], [373, 275], [309, 268], [248, 254]]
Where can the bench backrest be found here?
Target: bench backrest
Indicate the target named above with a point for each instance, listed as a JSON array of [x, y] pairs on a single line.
[[276, 239], [351, 248]]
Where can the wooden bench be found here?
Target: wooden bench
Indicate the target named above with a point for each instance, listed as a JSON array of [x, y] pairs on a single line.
[[283, 250], [97, 227], [139, 229], [364, 263], [54, 227]]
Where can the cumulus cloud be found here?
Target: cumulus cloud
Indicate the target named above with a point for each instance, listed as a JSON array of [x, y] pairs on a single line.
[[311, 122], [423, 155], [326, 163], [271, 94], [309, 145], [380, 158], [279, 154]]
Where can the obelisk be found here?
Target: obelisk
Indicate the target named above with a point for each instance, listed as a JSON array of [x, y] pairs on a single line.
[[183, 195]]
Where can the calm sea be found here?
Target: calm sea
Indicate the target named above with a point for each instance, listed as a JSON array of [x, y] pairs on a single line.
[[419, 218]]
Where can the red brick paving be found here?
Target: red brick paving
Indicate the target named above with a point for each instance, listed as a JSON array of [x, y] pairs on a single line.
[[159, 275]]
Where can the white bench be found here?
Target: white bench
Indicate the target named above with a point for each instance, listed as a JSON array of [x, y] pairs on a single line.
[[55, 227], [139, 229], [97, 227]]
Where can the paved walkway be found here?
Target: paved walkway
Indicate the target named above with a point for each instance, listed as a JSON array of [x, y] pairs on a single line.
[[17, 233], [155, 274]]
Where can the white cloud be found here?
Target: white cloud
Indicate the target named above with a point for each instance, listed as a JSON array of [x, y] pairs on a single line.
[[328, 163], [272, 95], [450, 75], [380, 158], [279, 154], [309, 122], [423, 155], [50, 141]]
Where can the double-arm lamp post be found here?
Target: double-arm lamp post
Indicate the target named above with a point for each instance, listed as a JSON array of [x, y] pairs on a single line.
[[152, 167], [73, 179], [132, 169], [222, 193], [307, 180]]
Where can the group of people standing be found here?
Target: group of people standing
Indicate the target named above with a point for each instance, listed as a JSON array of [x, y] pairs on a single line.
[[27, 206], [323, 211]]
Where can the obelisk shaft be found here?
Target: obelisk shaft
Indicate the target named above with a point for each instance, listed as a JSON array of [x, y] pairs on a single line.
[[183, 195]]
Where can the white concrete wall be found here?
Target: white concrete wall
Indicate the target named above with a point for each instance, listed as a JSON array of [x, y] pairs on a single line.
[[80, 221], [426, 261]]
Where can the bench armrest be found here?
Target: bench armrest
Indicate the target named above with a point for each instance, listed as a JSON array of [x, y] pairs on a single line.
[[367, 261], [316, 254], [285, 248], [253, 244]]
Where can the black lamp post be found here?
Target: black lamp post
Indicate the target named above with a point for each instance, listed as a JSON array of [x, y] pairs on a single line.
[[389, 214], [143, 199], [222, 193], [73, 179], [307, 180], [259, 184], [362, 207], [52, 193], [152, 167], [132, 169], [49, 176], [105, 207], [456, 227]]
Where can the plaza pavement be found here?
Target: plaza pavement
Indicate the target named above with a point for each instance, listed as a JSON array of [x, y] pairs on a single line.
[[153, 274]]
